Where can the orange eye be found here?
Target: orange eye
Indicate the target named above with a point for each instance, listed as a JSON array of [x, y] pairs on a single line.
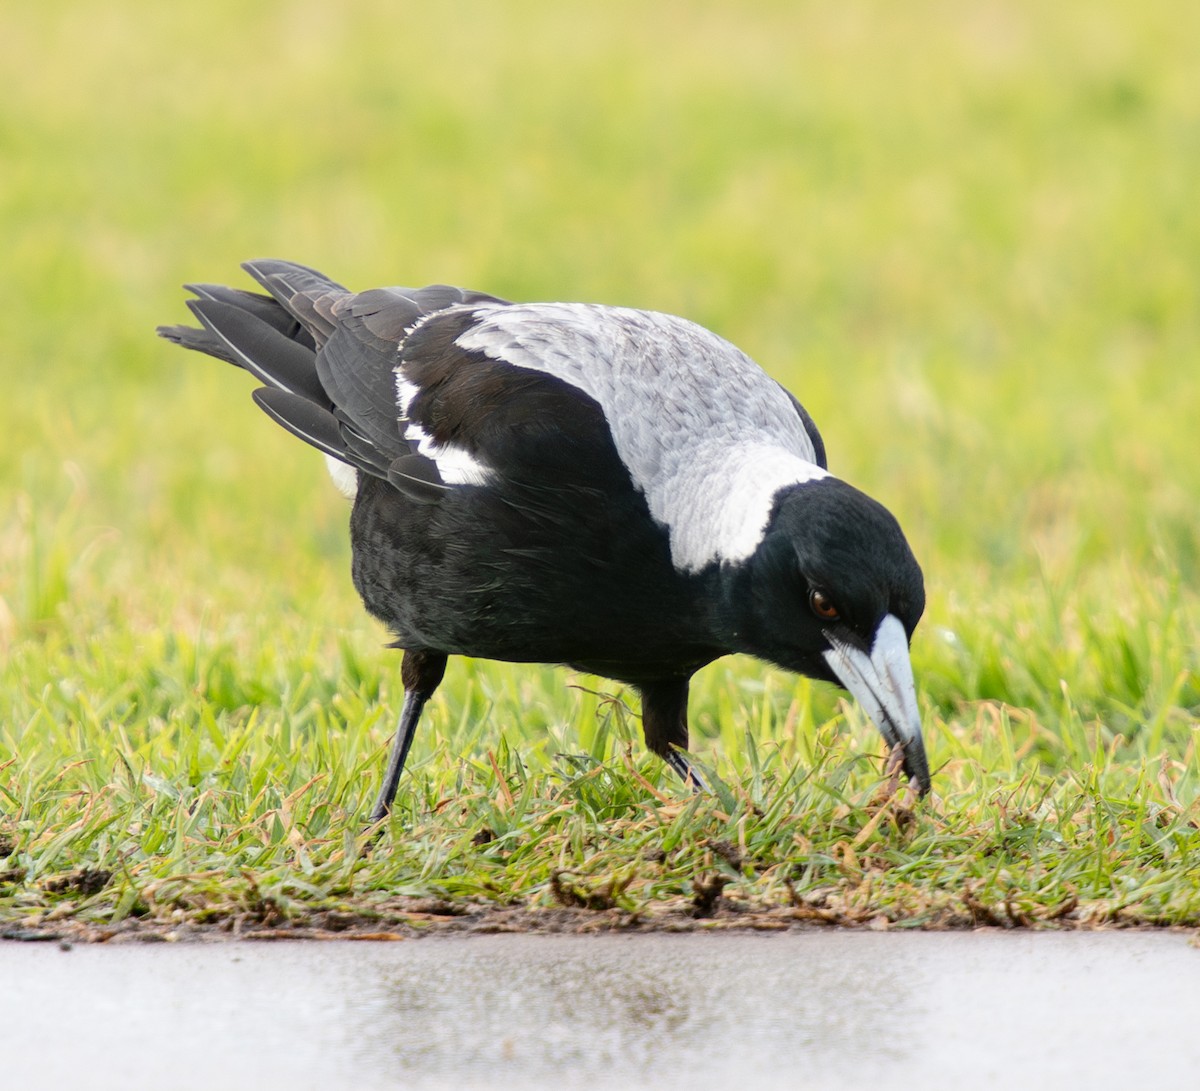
[[822, 605]]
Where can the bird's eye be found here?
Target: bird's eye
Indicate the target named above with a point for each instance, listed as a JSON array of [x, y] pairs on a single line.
[[822, 605]]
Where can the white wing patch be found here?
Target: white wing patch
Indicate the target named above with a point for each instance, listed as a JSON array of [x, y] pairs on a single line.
[[456, 465], [405, 392], [707, 436]]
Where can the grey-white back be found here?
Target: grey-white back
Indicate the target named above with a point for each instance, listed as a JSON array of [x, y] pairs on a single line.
[[708, 437]]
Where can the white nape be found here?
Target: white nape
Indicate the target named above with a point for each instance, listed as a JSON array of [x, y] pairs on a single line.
[[719, 505]]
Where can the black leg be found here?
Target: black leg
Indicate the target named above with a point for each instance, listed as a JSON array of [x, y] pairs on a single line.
[[664, 723], [421, 673]]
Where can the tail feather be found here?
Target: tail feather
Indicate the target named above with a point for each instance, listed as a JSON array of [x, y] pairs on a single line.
[[189, 337], [263, 307], [306, 294], [262, 349], [257, 333]]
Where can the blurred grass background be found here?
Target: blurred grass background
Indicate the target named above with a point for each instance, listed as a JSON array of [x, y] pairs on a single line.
[[965, 234]]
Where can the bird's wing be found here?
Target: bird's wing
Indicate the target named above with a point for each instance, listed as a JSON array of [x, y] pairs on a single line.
[[485, 421], [701, 430], [437, 388], [326, 357], [810, 427]]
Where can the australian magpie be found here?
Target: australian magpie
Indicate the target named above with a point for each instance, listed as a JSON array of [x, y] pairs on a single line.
[[617, 490]]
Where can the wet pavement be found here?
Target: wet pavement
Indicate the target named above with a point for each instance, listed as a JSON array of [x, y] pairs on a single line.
[[814, 1010]]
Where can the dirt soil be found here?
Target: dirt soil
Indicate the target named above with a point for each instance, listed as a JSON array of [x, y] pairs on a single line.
[[411, 918]]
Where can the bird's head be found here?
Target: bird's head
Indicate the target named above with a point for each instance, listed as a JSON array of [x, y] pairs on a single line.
[[834, 592]]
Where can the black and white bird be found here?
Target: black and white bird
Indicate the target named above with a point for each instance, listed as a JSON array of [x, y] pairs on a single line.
[[617, 490]]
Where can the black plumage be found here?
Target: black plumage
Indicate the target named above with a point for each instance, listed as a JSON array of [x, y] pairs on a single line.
[[616, 490]]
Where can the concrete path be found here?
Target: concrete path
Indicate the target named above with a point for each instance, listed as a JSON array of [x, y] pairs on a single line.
[[820, 1010]]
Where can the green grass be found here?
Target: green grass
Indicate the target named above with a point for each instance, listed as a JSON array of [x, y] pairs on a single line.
[[965, 235]]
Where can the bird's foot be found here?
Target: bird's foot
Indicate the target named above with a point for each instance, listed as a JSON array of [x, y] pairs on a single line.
[[686, 771]]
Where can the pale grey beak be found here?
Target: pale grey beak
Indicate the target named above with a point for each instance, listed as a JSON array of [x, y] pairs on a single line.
[[882, 682]]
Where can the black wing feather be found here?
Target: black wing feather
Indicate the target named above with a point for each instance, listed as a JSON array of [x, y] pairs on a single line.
[[328, 357], [361, 379], [418, 478], [810, 427], [304, 419], [367, 454]]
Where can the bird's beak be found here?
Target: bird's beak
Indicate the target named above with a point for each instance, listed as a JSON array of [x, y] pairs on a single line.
[[882, 682]]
